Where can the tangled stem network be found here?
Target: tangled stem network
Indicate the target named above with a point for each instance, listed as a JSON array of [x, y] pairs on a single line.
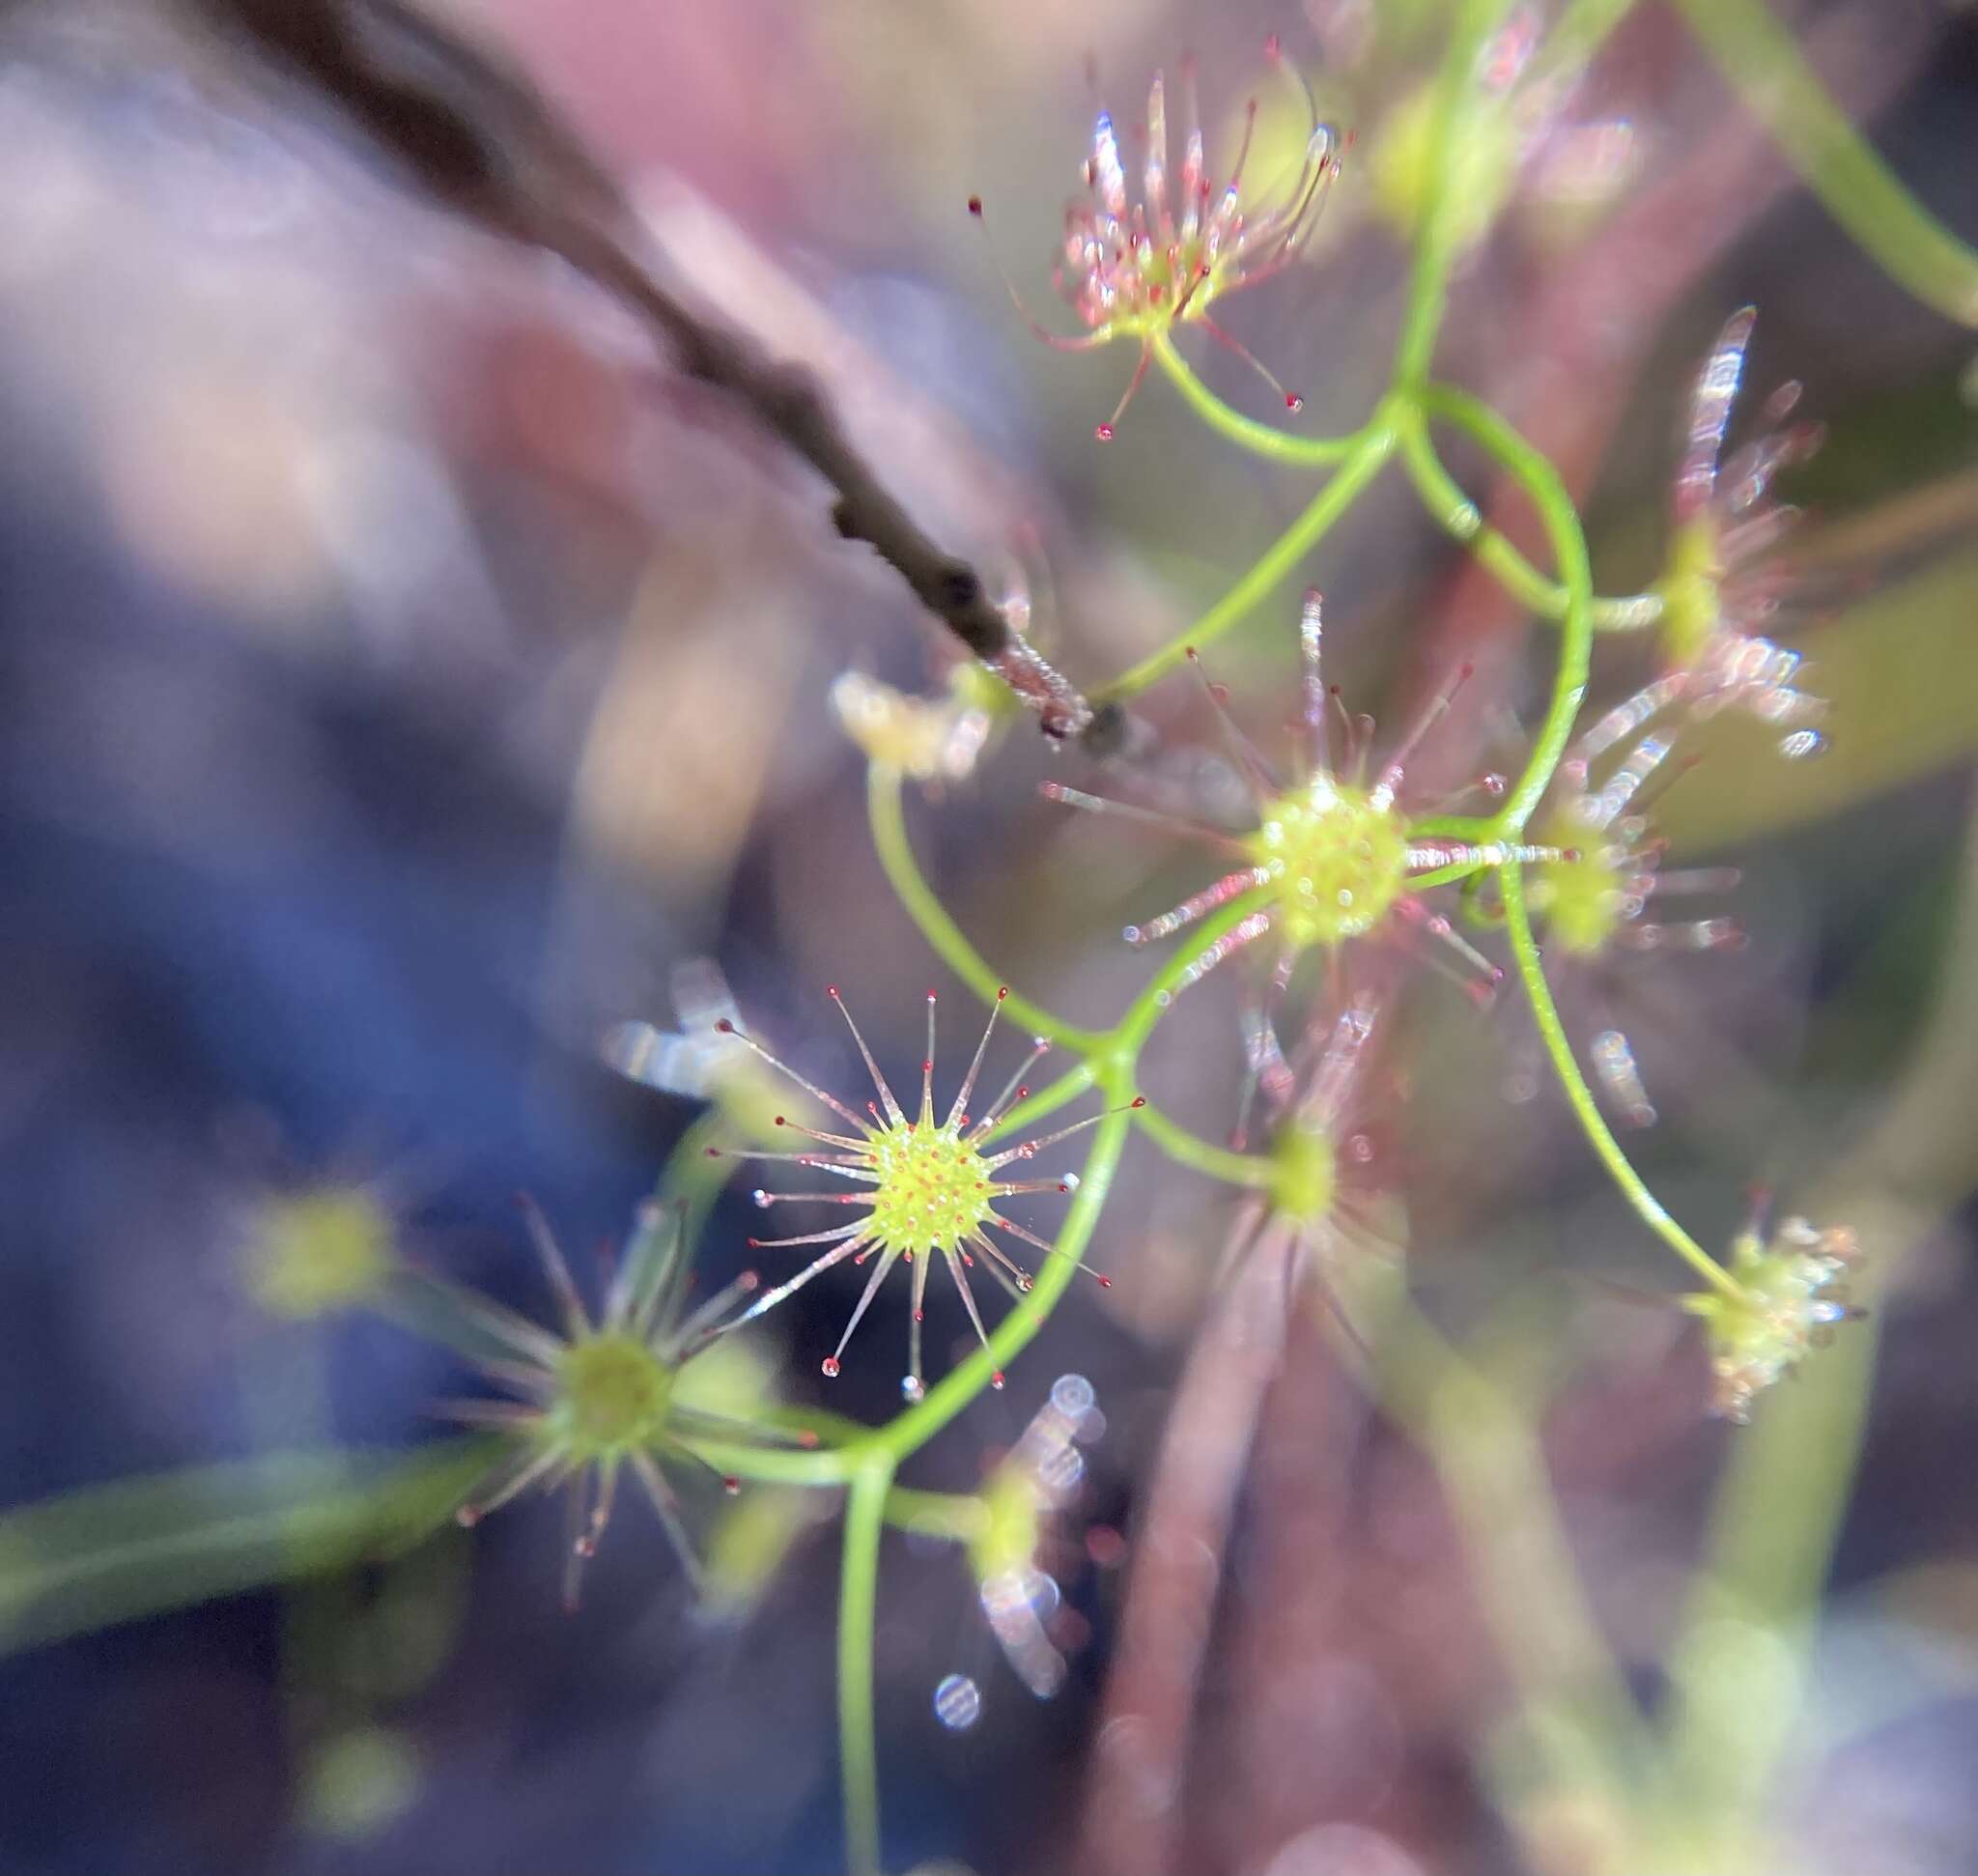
[[1344, 858]]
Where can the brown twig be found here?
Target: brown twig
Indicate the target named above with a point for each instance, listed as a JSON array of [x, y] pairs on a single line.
[[481, 138]]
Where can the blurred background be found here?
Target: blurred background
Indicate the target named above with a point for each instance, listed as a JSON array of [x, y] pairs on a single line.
[[404, 673]]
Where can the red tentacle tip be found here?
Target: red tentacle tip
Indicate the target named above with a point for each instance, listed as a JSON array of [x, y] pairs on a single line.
[[1466, 670], [466, 1518], [920, 1316], [1293, 402], [1104, 433], [808, 1440], [1139, 1100], [754, 1243], [976, 205], [730, 1483], [749, 1280], [781, 1122], [1105, 1283], [928, 1062], [1190, 652], [1001, 991], [830, 989], [1062, 1187], [713, 1153], [995, 1379], [725, 1026], [830, 1365]]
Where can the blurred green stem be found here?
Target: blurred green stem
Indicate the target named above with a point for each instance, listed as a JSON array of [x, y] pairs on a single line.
[[1263, 439], [1364, 461], [1857, 188], [1451, 510], [858, 1602]]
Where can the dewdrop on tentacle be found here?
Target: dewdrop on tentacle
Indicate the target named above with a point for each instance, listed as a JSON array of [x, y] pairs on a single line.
[[1136, 270], [598, 1396], [1332, 856], [927, 1187]]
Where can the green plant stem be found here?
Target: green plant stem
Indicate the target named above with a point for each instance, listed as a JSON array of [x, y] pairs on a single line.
[[1364, 461], [955, 1517], [113, 1552], [1576, 37], [1068, 1085], [1852, 182], [883, 800], [1187, 1148], [1562, 522], [1452, 511], [1580, 1097], [858, 1606], [1439, 240], [1263, 439]]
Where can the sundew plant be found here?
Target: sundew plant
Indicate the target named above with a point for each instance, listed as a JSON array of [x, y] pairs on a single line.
[[1303, 888]]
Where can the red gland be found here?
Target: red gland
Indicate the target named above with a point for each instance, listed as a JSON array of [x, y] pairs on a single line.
[[1105, 1283], [1104, 433], [831, 1366], [995, 1379], [725, 1026], [731, 1485], [974, 204], [1139, 1100], [1293, 402]]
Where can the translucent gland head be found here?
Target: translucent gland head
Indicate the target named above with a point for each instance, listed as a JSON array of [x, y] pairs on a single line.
[[1690, 591], [933, 1189], [1581, 894], [1338, 860], [613, 1397]]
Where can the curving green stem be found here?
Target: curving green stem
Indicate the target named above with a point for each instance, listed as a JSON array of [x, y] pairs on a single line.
[[1188, 1148], [857, 1605], [883, 786], [1534, 474], [1837, 163], [1580, 1097], [1263, 439], [1363, 462], [1452, 511]]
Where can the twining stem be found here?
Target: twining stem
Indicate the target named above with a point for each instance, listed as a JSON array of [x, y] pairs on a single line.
[[1364, 462], [1838, 164], [1580, 1097], [896, 857], [1187, 1148], [1560, 518], [1263, 439], [1451, 510], [857, 1603], [1535, 473]]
